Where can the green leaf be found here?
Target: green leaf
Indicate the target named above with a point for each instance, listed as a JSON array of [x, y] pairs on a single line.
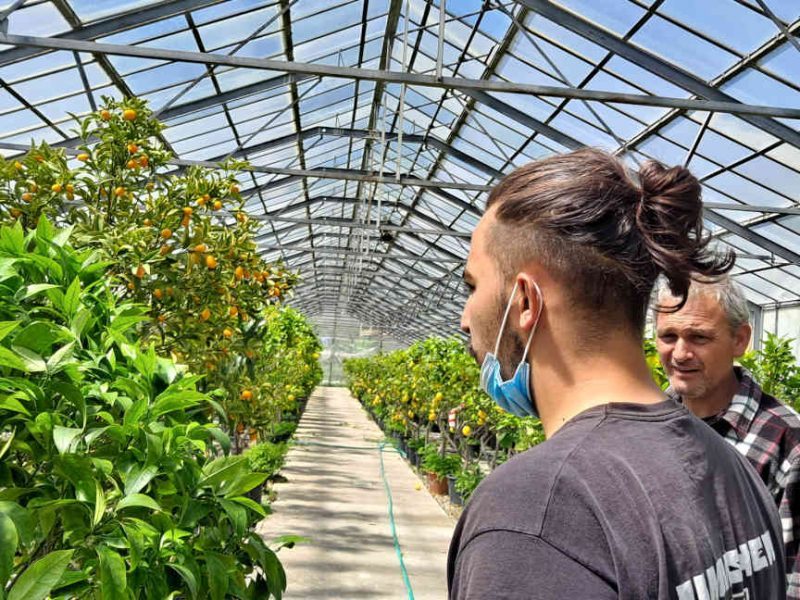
[[99, 504], [288, 541], [60, 358], [140, 500], [35, 289], [138, 478], [7, 445], [44, 229], [7, 327], [40, 336], [10, 403], [251, 504], [167, 403], [72, 298], [64, 437], [217, 576], [8, 547], [12, 360], [37, 581], [33, 362], [243, 484], [237, 515], [224, 468], [113, 578], [188, 577]]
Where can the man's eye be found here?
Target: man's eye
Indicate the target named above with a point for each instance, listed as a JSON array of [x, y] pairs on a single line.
[[667, 338]]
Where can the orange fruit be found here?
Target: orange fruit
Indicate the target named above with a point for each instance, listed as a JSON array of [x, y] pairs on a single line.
[[16, 213], [70, 188], [200, 201], [166, 233], [105, 115], [130, 285], [170, 291], [244, 316], [83, 157], [211, 262], [165, 250], [227, 333], [119, 192], [129, 114], [217, 205], [133, 148], [147, 222], [27, 197], [234, 189], [233, 311], [206, 197], [205, 314], [162, 319], [140, 271], [186, 221], [32, 187], [201, 248], [246, 395], [187, 210], [56, 187], [144, 160], [158, 294], [238, 273], [132, 164]]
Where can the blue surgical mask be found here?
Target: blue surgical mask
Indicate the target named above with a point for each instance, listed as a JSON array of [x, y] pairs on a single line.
[[515, 395]]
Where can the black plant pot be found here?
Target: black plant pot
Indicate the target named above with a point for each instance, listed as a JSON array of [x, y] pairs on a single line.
[[455, 497]]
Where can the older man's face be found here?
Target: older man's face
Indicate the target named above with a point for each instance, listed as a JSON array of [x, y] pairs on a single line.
[[697, 346]]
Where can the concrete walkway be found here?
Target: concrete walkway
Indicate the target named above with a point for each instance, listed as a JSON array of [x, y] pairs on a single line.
[[336, 498]]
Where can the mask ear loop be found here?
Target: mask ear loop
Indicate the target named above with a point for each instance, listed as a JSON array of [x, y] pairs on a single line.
[[538, 316], [505, 318]]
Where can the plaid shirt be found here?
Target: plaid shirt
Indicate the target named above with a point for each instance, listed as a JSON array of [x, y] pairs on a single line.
[[767, 432]]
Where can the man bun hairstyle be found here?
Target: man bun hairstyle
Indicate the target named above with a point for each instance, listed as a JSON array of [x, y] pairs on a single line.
[[670, 219], [604, 231]]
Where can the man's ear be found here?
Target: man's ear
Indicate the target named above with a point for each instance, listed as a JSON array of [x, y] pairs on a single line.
[[741, 338], [529, 301]]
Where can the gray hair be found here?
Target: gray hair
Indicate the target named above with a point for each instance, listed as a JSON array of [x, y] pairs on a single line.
[[724, 290]]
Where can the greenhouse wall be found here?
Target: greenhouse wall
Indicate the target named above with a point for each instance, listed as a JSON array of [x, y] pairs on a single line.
[[785, 322], [344, 338]]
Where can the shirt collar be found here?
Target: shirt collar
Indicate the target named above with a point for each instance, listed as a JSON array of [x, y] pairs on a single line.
[[744, 405]]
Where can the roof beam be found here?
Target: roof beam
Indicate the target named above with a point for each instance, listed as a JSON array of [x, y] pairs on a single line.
[[658, 66], [721, 102]]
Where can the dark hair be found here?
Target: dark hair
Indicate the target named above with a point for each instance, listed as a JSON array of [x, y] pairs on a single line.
[[585, 218]]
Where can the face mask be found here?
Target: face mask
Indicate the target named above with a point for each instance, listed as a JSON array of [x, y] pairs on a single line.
[[516, 394]]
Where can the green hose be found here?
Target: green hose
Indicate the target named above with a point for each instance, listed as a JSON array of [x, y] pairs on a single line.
[[382, 447]]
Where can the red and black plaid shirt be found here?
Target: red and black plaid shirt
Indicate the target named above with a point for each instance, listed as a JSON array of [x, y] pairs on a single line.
[[767, 432]]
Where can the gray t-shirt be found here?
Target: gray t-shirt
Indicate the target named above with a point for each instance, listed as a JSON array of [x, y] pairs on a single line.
[[625, 501]]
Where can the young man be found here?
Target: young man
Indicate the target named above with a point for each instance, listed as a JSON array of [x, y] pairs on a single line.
[[630, 496], [697, 346]]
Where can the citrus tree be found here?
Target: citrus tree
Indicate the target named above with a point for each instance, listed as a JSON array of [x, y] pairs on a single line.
[[176, 240], [113, 481]]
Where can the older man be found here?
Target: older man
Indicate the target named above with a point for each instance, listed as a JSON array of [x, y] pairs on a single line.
[[697, 346]]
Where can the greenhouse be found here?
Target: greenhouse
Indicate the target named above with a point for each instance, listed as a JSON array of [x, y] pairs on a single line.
[[238, 358]]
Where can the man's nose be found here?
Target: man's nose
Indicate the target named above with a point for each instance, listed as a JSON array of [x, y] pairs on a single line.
[[464, 321], [682, 351]]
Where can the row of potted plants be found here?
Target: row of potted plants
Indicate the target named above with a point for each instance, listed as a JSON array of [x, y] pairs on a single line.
[[428, 397]]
